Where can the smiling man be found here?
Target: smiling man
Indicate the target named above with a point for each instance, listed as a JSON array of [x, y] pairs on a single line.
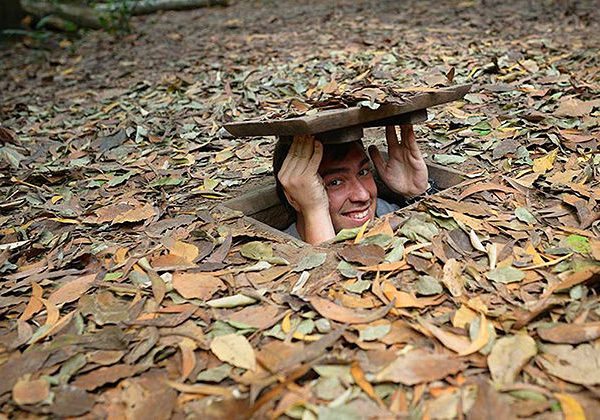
[[331, 187]]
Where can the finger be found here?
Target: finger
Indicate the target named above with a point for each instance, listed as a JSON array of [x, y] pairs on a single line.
[[315, 160], [409, 141], [408, 136], [392, 138], [377, 159], [306, 147], [290, 160]]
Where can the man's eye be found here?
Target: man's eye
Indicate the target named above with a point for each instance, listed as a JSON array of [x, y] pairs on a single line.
[[334, 183], [364, 171]]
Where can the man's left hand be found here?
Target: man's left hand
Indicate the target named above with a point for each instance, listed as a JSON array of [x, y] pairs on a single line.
[[405, 172]]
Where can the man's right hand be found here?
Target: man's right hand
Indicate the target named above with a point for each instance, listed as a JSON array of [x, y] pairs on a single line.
[[304, 189]]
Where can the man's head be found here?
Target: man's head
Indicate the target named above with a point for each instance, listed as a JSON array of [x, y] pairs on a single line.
[[348, 180]]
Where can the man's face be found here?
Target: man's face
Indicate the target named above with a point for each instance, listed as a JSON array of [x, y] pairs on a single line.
[[350, 187]]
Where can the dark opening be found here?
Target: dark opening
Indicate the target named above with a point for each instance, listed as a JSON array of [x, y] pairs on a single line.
[[264, 209]]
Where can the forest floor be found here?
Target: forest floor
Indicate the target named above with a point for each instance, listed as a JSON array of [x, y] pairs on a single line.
[[127, 292]]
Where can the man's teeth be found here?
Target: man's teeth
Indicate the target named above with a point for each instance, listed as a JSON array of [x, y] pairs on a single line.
[[359, 215]]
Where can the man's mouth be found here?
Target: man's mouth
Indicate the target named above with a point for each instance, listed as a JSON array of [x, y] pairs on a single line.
[[359, 215]]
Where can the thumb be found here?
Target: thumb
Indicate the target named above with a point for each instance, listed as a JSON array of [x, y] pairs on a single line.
[[377, 159]]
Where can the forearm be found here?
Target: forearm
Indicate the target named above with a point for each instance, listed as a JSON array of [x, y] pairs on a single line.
[[316, 227]]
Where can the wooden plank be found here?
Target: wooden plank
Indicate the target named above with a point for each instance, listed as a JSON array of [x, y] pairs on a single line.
[[336, 119]]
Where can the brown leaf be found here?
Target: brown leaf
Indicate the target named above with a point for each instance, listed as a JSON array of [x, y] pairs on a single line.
[[330, 310], [509, 355], [20, 365], [235, 350], [359, 378], [570, 333], [408, 300], [419, 366], [578, 365], [106, 375], [196, 285], [188, 252], [70, 401], [486, 186], [489, 401], [201, 389], [170, 262], [453, 278], [366, 255], [136, 214], [256, 316], [30, 392], [574, 107], [454, 342], [159, 288], [35, 302], [72, 290], [188, 358]]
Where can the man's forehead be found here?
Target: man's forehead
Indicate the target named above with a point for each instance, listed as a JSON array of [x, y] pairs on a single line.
[[354, 157]]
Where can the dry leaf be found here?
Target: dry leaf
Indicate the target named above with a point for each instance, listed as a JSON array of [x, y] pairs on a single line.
[[235, 350], [72, 290], [35, 302], [339, 313], [30, 392], [408, 300], [573, 364], [545, 163], [570, 333], [359, 378], [419, 366], [453, 279], [135, 214], [570, 407], [196, 285], [188, 358], [509, 355], [189, 252]]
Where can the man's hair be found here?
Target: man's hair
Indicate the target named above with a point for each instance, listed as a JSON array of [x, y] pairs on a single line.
[[335, 152]]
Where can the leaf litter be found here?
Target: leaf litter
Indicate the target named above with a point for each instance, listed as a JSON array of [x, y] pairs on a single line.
[[125, 290]]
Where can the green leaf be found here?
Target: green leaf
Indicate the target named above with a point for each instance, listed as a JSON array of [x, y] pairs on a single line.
[[358, 286], [506, 275], [427, 286], [163, 182], [380, 239], [448, 159], [347, 270], [397, 251], [216, 374], [578, 243], [417, 230], [231, 301], [120, 179], [257, 250], [311, 261], [10, 155], [345, 234], [373, 333], [524, 215]]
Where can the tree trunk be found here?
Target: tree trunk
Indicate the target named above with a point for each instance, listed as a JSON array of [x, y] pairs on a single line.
[[144, 7], [97, 17]]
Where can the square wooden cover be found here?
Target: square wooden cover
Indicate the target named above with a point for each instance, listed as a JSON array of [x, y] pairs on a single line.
[[412, 110]]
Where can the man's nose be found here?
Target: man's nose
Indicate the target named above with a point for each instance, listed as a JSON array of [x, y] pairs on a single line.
[[359, 192]]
